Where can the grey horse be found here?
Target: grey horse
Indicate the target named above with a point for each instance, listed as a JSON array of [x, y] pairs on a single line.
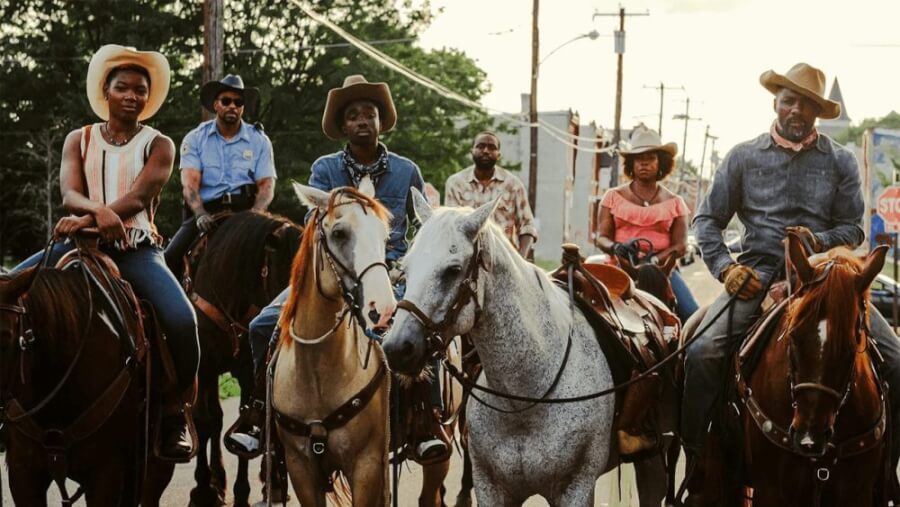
[[520, 323]]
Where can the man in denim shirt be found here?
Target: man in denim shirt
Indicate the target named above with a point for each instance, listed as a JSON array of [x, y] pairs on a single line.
[[359, 111], [791, 177]]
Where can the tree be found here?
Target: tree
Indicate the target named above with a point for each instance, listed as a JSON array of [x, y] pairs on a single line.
[[47, 43], [854, 134]]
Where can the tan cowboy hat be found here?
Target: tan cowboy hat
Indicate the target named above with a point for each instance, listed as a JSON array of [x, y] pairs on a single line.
[[111, 56], [805, 80], [644, 139], [355, 88]]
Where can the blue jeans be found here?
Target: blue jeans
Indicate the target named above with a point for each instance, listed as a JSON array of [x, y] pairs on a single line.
[[685, 305], [151, 280], [263, 334]]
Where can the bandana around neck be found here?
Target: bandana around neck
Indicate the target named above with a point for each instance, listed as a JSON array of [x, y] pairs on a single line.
[[807, 142], [374, 170]]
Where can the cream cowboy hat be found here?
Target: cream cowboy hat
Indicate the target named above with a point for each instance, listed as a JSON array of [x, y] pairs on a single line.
[[805, 80], [644, 139], [111, 56], [355, 88]]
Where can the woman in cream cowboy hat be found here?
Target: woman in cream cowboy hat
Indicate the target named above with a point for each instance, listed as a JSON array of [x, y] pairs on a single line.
[[111, 176], [644, 208]]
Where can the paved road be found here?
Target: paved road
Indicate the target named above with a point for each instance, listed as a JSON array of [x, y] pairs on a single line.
[[705, 290]]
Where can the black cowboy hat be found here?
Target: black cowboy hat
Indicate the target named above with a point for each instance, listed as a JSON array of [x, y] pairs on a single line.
[[231, 82]]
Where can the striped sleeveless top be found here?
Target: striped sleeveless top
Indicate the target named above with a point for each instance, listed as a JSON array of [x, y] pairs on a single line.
[[110, 172]]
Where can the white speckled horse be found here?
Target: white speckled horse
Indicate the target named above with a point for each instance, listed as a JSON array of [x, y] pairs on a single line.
[[520, 323]]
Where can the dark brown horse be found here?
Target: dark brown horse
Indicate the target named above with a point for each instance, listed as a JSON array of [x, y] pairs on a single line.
[[246, 263], [813, 412], [72, 389]]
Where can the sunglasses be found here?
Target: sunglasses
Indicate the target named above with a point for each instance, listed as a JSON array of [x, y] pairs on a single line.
[[226, 101]]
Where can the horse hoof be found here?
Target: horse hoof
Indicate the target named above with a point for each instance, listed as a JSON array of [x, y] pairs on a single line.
[[463, 501]]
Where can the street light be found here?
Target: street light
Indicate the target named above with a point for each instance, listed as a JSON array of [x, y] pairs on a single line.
[[593, 35]]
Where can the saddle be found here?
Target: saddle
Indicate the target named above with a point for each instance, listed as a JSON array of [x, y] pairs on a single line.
[[635, 331]]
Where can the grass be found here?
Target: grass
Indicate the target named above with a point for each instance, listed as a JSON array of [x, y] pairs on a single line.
[[228, 386], [546, 265]]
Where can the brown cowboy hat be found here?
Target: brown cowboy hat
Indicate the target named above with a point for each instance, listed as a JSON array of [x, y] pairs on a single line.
[[644, 139], [805, 80], [355, 88]]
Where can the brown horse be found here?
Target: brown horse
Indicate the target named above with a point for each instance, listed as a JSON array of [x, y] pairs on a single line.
[[72, 388], [813, 411], [245, 264]]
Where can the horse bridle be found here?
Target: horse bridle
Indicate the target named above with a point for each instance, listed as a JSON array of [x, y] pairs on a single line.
[[861, 331], [435, 338]]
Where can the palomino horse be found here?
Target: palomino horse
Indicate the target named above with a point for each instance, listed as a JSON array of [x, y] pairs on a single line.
[[245, 264], [72, 390], [330, 385], [813, 411], [464, 277]]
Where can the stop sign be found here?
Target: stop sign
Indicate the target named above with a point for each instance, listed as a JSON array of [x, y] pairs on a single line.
[[889, 208]]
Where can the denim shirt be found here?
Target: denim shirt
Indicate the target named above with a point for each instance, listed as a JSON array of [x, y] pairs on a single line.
[[391, 190], [227, 164], [771, 188]]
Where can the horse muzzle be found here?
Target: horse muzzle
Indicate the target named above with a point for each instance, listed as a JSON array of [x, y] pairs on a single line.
[[404, 346], [809, 443]]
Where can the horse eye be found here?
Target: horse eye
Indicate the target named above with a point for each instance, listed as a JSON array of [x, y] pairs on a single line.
[[338, 234], [452, 272]]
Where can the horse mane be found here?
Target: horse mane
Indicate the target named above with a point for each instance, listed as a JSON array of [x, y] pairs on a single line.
[[238, 248], [650, 278], [57, 310], [832, 294], [305, 253]]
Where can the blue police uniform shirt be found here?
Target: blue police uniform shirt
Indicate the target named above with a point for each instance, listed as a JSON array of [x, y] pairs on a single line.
[[227, 165], [391, 190]]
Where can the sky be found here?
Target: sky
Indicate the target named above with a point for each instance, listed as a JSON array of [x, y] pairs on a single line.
[[715, 49]]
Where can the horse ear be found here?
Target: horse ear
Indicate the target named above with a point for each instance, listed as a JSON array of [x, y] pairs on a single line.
[[669, 265], [626, 265], [798, 258], [874, 263], [311, 197], [475, 222], [420, 205]]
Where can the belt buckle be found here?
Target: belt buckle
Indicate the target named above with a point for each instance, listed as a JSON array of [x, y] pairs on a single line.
[[226, 199]]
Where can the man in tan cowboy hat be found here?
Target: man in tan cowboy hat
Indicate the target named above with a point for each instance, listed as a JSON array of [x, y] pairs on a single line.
[[789, 178], [359, 112], [111, 177], [226, 164]]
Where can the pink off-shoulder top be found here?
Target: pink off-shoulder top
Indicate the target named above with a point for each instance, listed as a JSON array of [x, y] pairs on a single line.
[[651, 222]]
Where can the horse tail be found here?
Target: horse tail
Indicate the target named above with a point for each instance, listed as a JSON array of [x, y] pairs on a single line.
[[341, 496]]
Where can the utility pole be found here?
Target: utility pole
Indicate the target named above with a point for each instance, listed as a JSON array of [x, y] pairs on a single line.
[[532, 109], [706, 137], [620, 51], [213, 43], [686, 117], [662, 88]]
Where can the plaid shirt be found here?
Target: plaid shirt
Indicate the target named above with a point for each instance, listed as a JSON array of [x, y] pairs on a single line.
[[513, 214]]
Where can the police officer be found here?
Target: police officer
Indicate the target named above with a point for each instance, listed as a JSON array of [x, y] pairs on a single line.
[[226, 164]]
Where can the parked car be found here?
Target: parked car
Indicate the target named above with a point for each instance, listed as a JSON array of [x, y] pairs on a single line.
[[882, 296], [692, 252]]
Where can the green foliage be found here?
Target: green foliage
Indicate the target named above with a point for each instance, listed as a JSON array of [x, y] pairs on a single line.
[[47, 44], [854, 134], [228, 386]]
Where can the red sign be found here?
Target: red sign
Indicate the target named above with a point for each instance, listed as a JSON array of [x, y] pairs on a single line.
[[889, 208]]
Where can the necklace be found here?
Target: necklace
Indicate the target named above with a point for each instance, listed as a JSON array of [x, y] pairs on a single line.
[[114, 142], [645, 201]]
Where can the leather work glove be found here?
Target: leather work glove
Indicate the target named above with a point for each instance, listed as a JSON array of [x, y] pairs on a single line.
[[735, 275], [626, 251], [205, 222], [809, 239]]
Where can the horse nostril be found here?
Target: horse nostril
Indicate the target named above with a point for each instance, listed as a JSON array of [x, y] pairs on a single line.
[[374, 316]]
